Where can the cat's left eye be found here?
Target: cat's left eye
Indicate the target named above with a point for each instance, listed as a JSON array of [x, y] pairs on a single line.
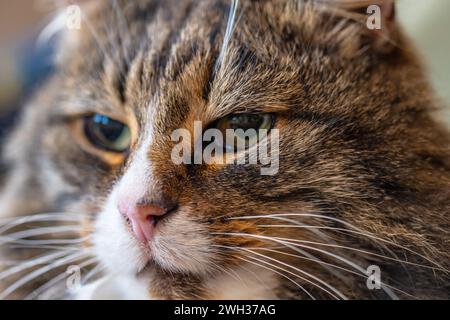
[[106, 133], [247, 129]]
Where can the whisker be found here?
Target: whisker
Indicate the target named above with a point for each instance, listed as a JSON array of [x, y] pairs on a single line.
[[315, 230], [362, 232], [258, 278], [29, 264], [44, 247], [9, 263], [281, 274], [9, 223], [33, 275], [363, 276], [44, 243], [338, 230], [294, 241], [49, 284], [233, 275], [320, 261], [342, 296], [312, 258], [38, 232], [386, 288], [340, 258], [228, 33], [297, 223], [351, 232], [93, 273]]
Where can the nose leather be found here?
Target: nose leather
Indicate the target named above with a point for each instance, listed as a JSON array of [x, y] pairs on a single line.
[[142, 218]]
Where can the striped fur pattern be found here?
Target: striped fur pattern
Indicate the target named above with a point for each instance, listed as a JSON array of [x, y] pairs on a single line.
[[364, 175]]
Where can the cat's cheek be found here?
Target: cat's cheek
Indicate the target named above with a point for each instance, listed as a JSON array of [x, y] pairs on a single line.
[[115, 247]]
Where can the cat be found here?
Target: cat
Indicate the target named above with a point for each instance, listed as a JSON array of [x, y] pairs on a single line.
[[357, 210]]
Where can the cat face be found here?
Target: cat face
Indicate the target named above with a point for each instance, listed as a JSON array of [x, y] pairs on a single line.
[[354, 165]]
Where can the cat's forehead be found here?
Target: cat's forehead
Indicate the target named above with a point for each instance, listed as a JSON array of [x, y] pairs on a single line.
[[171, 61], [172, 55]]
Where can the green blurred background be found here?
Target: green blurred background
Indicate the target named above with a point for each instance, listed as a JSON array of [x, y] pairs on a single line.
[[427, 23]]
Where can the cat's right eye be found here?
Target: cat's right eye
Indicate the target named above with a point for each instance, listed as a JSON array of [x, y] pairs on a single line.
[[106, 133]]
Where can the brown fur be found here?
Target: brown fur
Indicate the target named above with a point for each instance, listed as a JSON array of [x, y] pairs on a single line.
[[357, 137]]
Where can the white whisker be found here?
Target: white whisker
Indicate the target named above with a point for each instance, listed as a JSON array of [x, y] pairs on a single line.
[[233, 274], [340, 258], [228, 33], [38, 232], [337, 292], [51, 283], [65, 217], [349, 225], [294, 241], [94, 272], [281, 274], [32, 263], [313, 258], [33, 275], [43, 243]]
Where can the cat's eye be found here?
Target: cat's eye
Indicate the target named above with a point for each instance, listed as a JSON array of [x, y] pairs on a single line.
[[251, 126], [106, 133]]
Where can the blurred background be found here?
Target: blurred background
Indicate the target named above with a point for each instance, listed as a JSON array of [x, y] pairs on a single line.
[[24, 65]]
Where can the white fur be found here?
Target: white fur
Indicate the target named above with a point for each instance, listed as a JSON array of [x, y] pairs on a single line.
[[247, 282], [113, 288], [179, 244], [114, 243]]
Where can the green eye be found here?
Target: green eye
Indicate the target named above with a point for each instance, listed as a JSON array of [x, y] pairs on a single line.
[[106, 133], [246, 128]]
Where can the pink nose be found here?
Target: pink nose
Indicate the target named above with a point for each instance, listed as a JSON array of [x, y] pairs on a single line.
[[142, 218]]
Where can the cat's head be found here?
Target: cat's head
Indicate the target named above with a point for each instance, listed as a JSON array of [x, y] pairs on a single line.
[[359, 165]]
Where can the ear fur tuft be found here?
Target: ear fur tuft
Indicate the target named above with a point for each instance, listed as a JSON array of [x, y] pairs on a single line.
[[375, 19]]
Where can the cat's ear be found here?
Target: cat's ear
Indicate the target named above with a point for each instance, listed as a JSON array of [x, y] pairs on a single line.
[[365, 24]]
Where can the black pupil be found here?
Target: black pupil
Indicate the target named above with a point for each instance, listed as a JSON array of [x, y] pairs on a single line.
[[103, 131], [110, 129], [245, 122]]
